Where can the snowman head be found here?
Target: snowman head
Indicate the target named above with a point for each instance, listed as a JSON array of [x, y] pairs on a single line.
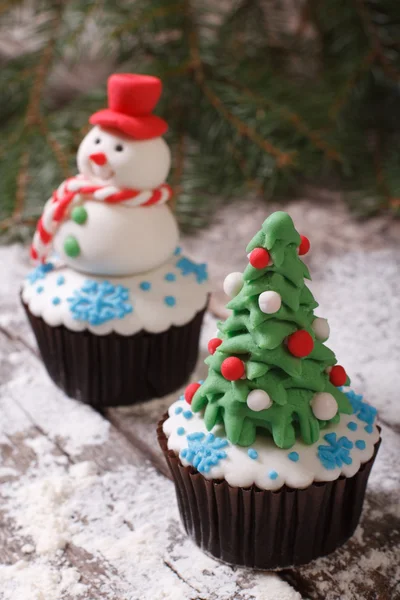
[[125, 148], [110, 157]]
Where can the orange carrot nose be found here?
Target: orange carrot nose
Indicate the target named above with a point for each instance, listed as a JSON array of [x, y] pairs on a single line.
[[99, 158]]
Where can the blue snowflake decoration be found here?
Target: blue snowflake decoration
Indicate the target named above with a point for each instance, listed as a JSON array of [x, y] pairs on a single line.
[[365, 412], [336, 453], [188, 267], [204, 452], [40, 272], [98, 303]]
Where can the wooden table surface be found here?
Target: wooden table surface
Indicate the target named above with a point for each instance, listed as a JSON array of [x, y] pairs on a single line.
[[87, 507]]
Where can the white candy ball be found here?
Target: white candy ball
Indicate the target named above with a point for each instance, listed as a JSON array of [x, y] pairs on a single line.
[[258, 400], [324, 406], [321, 329], [269, 302], [233, 283]]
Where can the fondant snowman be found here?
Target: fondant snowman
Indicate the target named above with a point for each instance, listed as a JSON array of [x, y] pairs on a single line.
[[112, 218]]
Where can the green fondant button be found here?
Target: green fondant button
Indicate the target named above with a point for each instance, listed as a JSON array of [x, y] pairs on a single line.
[[71, 247], [79, 215]]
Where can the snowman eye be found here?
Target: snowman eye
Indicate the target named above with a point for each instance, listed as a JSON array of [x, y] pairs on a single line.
[[119, 147], [97, 141]]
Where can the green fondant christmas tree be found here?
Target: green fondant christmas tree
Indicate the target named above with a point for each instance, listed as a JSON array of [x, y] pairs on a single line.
[[269, 368]]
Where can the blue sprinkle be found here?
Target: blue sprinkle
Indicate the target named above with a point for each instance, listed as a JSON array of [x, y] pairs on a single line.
[[170, 277], [61, 280], [180, 430], [294, 456], [352, 425], [360, 444], [178, 410], [252, 453], [56, 301], [170, 300], [197, 435], [273, 474], [182, 397], [188, 414], [200, 381], [145, 286], [178, 250], [40, 289], [369, 429]]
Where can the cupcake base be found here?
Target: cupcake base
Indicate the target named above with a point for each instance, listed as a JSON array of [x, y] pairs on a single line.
[[114, 370], [262, 529]]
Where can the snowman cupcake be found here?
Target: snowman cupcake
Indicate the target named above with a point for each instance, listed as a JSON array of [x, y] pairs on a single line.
[[114, 305], [271, 454]]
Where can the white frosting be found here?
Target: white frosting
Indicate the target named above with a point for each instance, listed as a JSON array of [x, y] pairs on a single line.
[[138, 164], [240, 470], [171, 298], [120, 240]]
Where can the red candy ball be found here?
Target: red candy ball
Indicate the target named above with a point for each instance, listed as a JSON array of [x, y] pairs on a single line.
[[259, 258], [190, 391], [338, 376], [300, 343], [213, 345], [232, 368], [304, 245]]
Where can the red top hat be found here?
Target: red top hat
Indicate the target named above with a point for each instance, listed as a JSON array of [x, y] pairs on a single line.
[[131, 99]]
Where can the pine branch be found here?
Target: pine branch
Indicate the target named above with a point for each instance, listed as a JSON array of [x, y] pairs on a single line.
[[375, 42], [283, 159], [294, 119], [341, 99], [22, 182], [239, 92], [33, 117]]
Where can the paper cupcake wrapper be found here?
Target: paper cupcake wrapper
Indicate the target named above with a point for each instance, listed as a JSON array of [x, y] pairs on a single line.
[[264, 529], [113, 369]]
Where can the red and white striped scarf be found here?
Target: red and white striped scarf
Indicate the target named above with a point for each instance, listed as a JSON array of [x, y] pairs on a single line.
[[71, 192]]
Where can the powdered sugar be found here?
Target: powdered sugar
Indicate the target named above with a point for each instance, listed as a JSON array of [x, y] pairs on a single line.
[[126, 520], [39, 581]]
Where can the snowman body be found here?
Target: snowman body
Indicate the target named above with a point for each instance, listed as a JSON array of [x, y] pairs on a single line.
[[117, 239]]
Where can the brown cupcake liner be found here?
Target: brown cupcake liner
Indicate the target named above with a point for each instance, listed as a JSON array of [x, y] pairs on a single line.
[[264, 529], [113, 369]]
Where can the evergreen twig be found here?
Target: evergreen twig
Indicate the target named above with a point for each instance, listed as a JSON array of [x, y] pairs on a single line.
[[375, 42], [249, 99], [341, 99]]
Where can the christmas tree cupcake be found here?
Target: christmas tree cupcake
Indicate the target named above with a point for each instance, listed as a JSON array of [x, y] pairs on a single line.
[[271, 453], [115, 307]]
